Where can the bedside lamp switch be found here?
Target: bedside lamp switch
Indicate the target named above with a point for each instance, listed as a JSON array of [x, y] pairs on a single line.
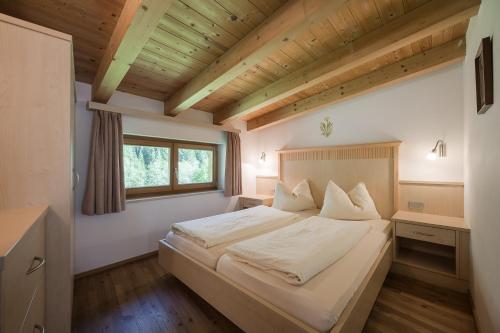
[[415, 206]]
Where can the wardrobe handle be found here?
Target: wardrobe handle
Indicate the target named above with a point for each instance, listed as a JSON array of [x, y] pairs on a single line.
[[39, 328], [37, 263], [76, 179]]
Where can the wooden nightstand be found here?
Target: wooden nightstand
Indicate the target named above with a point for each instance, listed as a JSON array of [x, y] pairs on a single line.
[[432, 248], [247, 201]]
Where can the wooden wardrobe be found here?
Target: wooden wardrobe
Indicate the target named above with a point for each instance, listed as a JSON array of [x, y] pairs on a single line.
[[36, 147]]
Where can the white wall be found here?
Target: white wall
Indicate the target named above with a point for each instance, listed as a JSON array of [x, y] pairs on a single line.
[[102, 240], [417, 112], [482, 173]]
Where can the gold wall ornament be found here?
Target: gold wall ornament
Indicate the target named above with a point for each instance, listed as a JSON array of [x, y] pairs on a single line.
[[326, 127]]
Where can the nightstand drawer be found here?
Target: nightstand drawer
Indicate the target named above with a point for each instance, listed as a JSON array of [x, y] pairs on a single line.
[[424, 233]]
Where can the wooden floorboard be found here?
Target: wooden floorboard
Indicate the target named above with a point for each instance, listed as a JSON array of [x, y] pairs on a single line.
[[139, 297]]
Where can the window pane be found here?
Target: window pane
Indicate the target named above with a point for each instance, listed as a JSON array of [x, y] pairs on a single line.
[[195, 166], [146, 166]]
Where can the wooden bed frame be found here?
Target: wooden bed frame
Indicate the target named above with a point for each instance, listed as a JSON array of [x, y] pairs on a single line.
[[376, 165]]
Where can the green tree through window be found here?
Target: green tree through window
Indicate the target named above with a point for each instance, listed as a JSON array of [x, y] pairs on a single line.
[[146, 166], [195, 166]]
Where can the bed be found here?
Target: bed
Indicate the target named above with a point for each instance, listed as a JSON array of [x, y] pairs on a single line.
[[210, 256], [250, 299], [320, 301]]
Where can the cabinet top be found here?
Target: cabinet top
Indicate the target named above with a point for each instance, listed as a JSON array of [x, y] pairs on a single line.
[[35, 27], [14, 223], [441, 221]]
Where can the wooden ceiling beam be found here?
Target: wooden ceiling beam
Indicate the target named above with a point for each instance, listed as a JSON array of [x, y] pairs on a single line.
[[137, 21], [432, 17], [276, 31], [421, 63]]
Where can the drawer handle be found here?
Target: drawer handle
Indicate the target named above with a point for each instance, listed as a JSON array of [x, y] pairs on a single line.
[[423, 234], [39, 328], [37, 263]]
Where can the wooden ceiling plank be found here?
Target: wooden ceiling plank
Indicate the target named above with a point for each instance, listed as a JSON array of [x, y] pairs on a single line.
[[345, 24], [243, 85], [413, 4], [327, 34], [232, 91], [254, 76], [282, 27], [297, 53], [420, 23], [272, 69], [421, 63], [245, 11], [168, 52], [167, 62], [137, 21], [187, 15], [183, 46], [267, 6], [146, 82], [390, 9], [366, 14], [313, 45], [145, 71], [284, 61], [159, 69], [190, 35], [132, 88], [219, 15]]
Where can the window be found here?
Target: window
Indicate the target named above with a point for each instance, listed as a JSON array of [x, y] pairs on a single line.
[[156, 166]]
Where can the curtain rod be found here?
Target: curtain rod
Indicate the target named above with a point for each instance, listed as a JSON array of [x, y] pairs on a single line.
[[154, 116]]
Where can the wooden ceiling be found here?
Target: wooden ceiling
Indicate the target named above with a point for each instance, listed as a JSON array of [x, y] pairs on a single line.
[[263, 61]]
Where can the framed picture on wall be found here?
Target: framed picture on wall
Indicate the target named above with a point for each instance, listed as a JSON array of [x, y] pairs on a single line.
[[484, 75]]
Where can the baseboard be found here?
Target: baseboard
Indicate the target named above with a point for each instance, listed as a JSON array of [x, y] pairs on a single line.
[[114, 265], [477, 321]]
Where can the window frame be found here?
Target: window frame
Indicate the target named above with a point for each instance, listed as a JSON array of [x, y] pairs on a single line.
[[174, 187], [197, 146]]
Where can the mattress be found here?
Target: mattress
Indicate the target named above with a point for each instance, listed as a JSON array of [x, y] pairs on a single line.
[[210, 256], [319, 302]]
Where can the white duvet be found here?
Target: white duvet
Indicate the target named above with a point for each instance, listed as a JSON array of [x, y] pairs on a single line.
[[218, 229], [300, 251]]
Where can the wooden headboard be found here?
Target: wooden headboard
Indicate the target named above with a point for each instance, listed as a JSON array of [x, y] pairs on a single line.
[[375, 164]]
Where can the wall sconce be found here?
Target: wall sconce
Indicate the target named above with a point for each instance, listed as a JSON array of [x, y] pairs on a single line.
[[439, 150], [262, 159]]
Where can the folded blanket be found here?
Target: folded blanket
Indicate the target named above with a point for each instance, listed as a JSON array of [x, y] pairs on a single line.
[[214, 230], [298, 252]]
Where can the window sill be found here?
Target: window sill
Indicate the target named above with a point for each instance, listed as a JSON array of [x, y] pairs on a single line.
[[171, 196]]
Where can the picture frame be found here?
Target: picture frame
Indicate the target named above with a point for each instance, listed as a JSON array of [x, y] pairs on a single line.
[[484, 75]]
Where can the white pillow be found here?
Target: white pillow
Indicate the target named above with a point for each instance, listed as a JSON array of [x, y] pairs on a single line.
[[298, 199], [355, 205]]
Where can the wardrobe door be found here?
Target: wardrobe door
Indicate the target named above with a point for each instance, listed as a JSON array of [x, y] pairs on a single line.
[[36, 105]]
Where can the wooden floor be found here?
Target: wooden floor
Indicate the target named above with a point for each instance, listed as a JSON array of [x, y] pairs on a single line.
[[140, 297]]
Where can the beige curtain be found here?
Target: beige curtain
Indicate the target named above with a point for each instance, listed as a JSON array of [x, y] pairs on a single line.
[[232, 184], [105, 191]]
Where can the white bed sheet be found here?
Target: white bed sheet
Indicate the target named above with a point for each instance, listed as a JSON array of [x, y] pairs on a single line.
[[321, 300], [210, 256]]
